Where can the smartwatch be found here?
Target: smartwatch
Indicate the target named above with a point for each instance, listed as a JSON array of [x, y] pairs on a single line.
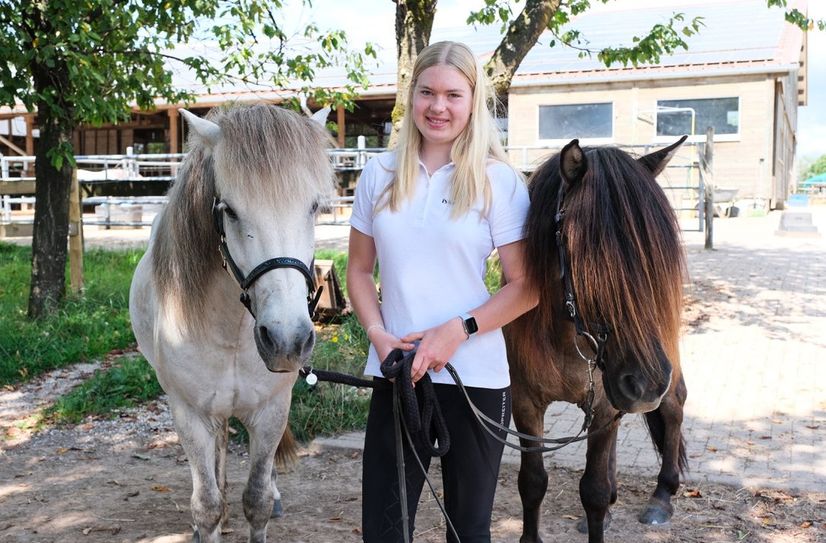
[[469, 324]]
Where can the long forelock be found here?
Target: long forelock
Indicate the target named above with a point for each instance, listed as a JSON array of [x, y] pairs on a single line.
[[626, 260], [273, 157]]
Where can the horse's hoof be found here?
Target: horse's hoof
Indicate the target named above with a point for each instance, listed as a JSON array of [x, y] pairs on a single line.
[[582, 525], [277, 510], [655, 515]]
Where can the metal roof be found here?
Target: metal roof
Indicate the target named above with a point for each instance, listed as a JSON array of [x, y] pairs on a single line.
[[738, 36], [734, 33]]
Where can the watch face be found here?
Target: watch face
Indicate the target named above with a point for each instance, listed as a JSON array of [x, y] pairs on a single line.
[[471, 326]]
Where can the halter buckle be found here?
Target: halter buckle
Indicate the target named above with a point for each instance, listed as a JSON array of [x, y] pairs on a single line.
[[571, 307]]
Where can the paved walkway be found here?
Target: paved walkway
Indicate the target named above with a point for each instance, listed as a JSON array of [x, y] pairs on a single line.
[[754, 358]]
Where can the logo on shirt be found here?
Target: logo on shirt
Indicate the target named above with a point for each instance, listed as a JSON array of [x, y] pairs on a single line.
[[447, 202]]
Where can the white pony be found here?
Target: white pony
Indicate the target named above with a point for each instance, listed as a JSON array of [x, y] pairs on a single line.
[[251, 183]]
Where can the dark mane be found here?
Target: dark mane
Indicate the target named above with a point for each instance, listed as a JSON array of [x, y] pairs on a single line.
[[624, 249]]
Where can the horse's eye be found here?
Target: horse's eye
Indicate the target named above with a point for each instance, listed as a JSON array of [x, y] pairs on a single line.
[[314, 208], [230, 213]]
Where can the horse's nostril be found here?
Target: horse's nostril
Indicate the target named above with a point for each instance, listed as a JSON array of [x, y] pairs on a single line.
[[264, 334], [631, 387], [308, 343]]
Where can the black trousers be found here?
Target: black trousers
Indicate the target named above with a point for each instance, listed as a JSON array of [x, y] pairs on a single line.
[[469, 469]]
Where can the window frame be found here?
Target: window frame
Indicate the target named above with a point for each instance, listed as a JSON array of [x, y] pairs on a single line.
[[699, 137], [559, 142]]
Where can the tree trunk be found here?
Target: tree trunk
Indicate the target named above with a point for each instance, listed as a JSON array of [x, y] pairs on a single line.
[[414, 21], [523, 33], [51, 219]]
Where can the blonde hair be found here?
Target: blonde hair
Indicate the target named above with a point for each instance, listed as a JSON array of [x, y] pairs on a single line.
[[479, 141]]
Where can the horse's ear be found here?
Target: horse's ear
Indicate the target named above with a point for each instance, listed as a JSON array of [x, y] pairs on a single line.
[[207, 131], [321, 115], [572, 163], [657, 161]]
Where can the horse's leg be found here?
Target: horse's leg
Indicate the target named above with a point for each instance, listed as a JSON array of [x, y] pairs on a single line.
[[533, 479], [665, 427], [221, 472], [198, 438], [582, 525], [277, 506], [597, 488], [265, 432], [285, 454]]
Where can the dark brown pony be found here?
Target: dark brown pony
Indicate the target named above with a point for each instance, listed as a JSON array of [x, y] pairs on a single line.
[[626, 267]]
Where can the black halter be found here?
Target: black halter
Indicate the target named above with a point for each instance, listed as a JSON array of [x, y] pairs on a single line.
[[602, 330], [245, 282]]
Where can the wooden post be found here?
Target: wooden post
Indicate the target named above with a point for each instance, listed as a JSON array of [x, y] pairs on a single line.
[[174, 119], [75, 236], [29, 142], [173, 129], [341, 125], [708, 165]]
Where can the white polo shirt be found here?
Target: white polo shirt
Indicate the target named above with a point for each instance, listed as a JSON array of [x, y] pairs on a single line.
[[432, 268]]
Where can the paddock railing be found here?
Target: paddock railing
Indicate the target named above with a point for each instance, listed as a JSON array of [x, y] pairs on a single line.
[[684, 182]]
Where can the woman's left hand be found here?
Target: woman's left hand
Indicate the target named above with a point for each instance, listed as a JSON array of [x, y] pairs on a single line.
[[436, 346]]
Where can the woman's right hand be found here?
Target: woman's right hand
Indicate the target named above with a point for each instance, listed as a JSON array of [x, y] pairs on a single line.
[[384, 343]]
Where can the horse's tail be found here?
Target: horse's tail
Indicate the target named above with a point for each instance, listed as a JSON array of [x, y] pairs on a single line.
[[287, 451], [656, 429]]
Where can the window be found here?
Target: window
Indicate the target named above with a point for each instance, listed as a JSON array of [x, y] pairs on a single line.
[[675, 117], [576, 121]]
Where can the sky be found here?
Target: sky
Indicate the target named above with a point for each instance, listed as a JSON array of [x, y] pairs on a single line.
[[374, 20]]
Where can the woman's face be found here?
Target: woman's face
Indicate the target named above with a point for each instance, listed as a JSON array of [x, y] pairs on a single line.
[[442, 103]]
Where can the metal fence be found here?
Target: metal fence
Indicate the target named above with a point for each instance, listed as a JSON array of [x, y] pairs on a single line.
[[683, 182]]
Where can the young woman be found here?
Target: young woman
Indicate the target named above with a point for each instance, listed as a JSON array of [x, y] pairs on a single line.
[[432, 212]]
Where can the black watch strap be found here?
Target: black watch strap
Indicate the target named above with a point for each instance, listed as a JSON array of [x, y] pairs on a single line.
[[469, 324]]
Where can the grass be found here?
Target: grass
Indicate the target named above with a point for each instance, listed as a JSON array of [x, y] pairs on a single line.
[[88, 327], [85, 327], [327, 408], [129, 382]]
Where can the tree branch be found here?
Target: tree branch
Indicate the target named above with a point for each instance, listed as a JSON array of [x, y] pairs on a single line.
[[522, 34]]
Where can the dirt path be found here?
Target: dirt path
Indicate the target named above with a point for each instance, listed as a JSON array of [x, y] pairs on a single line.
[[126, 480]]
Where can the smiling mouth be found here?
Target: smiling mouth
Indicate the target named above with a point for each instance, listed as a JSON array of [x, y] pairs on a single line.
[[437, 122]]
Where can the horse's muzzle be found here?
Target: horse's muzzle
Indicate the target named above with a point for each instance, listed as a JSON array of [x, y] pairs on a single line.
[[631, 390], [284, 349]]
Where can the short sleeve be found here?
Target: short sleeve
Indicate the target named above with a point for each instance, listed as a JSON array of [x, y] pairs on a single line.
[[509, 206], [362, 216]]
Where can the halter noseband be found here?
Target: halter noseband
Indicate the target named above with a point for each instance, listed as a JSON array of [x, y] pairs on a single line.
[[245, 282]]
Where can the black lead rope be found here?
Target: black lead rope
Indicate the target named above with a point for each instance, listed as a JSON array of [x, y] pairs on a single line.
[[407, 417]]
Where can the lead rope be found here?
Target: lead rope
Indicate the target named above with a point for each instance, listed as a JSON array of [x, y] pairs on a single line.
[[400, 469], [406, 417], [397, 367]]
